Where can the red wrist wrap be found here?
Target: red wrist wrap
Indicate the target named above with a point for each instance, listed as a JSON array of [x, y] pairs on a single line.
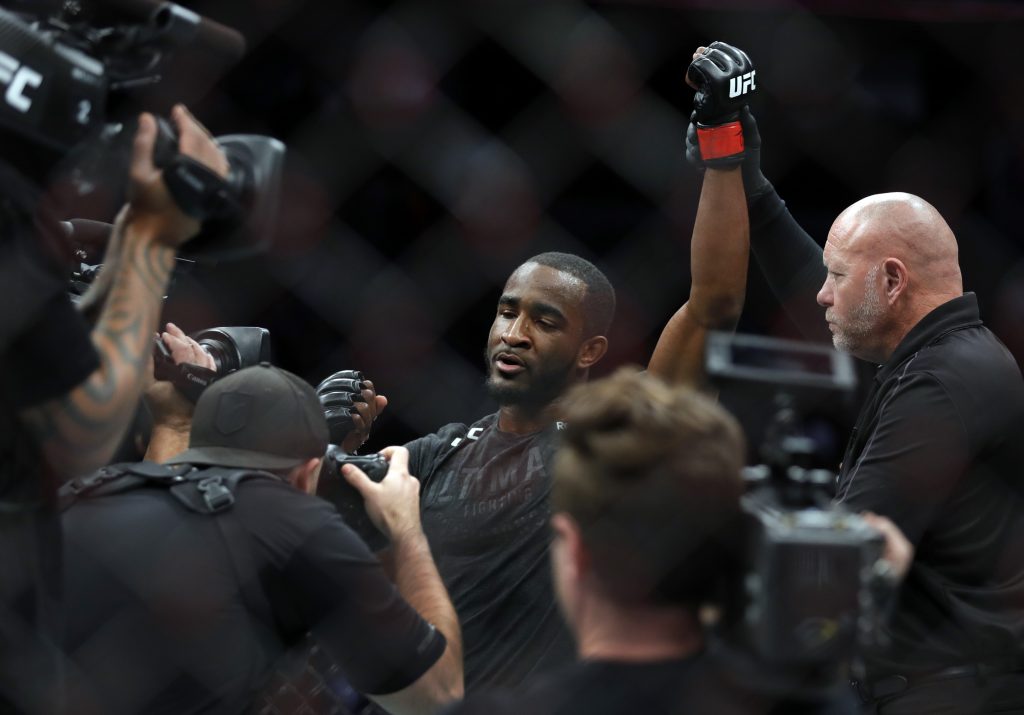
[[720, 141]]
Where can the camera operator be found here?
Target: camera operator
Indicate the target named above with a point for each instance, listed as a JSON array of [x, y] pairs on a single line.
[[68, 393], [646, 501], [190, 583], [937, 445]]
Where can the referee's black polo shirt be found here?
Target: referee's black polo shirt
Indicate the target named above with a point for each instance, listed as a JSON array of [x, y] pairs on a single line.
[[938, 449]]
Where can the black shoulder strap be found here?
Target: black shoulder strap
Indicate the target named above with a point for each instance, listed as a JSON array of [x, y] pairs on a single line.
[[117, 478], [212, 490], [214, 493], [206, 490]]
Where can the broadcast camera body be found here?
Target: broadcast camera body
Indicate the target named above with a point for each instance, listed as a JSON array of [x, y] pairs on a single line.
[[71, 77], [812, 585]]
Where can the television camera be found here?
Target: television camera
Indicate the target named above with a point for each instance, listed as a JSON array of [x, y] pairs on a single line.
[[71, 76], [335, 488], [812, 586]]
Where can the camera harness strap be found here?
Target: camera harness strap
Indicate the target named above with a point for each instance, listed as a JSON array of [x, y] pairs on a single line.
[[202, 490], [206, 490]]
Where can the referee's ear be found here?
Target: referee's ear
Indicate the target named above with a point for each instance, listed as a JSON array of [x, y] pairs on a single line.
[[306, 476]]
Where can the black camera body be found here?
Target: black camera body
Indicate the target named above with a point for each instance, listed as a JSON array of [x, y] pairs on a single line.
[[71, 86], [237, 212], [808, 593], [334, 488], [806, 597], [231, 348]]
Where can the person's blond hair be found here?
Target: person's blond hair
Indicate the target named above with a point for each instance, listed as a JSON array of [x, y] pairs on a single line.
[[652, 475]]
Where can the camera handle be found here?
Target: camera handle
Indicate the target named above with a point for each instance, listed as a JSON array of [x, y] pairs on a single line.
[[189, 379], [198, 191]]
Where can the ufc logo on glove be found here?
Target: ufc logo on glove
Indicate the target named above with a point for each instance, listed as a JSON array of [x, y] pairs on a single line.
[[742, 84]]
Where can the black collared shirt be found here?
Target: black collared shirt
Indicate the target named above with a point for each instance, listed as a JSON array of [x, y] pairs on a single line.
[[937, 448]]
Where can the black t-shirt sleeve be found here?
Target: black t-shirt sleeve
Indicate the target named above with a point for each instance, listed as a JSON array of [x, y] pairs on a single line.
[[422, 454], [51, 355], [917, 452], [356, 614], [425, 453], [791, 262]]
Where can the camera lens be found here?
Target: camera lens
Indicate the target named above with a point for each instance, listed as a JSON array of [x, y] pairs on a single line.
[[225, 357], [233, 348]]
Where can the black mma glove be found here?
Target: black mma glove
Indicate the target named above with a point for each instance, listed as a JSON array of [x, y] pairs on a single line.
[[725, 80], [338, 394], [755, 183], [351, 404]]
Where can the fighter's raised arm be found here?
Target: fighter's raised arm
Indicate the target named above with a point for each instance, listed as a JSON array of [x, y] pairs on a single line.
[[724, 79]]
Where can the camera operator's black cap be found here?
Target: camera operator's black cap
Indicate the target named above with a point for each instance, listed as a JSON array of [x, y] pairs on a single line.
[[261, 417]]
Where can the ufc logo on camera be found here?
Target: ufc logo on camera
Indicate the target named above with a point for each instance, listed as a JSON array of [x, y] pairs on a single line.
[[18, 79], [742, 84]]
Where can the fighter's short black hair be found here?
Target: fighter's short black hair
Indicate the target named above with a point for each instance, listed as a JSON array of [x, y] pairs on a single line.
[[599, 302]]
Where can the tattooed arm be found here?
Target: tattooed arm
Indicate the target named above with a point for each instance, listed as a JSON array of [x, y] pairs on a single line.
[[79, 432]]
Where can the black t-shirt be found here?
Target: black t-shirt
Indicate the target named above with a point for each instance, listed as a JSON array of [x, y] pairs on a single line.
[[45, 347], [175, 613], [485, 511], [937, 448], [688, 686], [45, 350]]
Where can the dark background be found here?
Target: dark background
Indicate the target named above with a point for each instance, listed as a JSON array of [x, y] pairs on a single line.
[[434, 146]]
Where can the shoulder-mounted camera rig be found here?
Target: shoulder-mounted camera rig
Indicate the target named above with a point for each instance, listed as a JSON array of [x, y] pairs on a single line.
[[72, 78]]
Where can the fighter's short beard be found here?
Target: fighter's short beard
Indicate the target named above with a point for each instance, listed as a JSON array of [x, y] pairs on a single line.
[[542, 388]]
